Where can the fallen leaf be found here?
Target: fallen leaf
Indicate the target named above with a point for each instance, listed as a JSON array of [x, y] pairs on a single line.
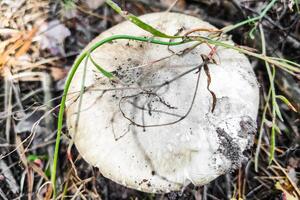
[[52, 35]]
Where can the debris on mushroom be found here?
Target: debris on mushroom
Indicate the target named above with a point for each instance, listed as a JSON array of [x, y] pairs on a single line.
[[175, 115]]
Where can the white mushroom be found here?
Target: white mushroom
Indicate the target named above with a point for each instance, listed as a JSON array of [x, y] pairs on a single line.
[[156, 134]]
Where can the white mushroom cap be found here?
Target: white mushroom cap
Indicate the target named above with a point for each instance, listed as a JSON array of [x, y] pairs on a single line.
[[197, 149]]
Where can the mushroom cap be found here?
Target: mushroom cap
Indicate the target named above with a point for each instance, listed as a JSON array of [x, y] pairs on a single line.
[[128, 130]]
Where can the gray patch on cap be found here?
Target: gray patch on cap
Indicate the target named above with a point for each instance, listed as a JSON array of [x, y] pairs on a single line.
[[229, 148]]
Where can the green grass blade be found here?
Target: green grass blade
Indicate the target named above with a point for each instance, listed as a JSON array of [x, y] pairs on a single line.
[[149, 28], [272, 145], [277, 110], [134, 19], [286, 61], [103, 71], [287, 102]]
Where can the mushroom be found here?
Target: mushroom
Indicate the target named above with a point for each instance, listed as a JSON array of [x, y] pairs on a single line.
[[170, 118]]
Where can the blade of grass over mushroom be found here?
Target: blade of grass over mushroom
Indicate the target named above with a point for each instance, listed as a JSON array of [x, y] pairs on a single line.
[[103, 71], [81, 95], [134, 19]]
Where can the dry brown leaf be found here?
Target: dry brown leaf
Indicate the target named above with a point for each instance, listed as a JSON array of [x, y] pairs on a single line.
[[38, 170], [28, 40], [11, 48], [19, 44]]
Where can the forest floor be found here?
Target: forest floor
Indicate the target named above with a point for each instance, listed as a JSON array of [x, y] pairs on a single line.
[[40, 40]]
